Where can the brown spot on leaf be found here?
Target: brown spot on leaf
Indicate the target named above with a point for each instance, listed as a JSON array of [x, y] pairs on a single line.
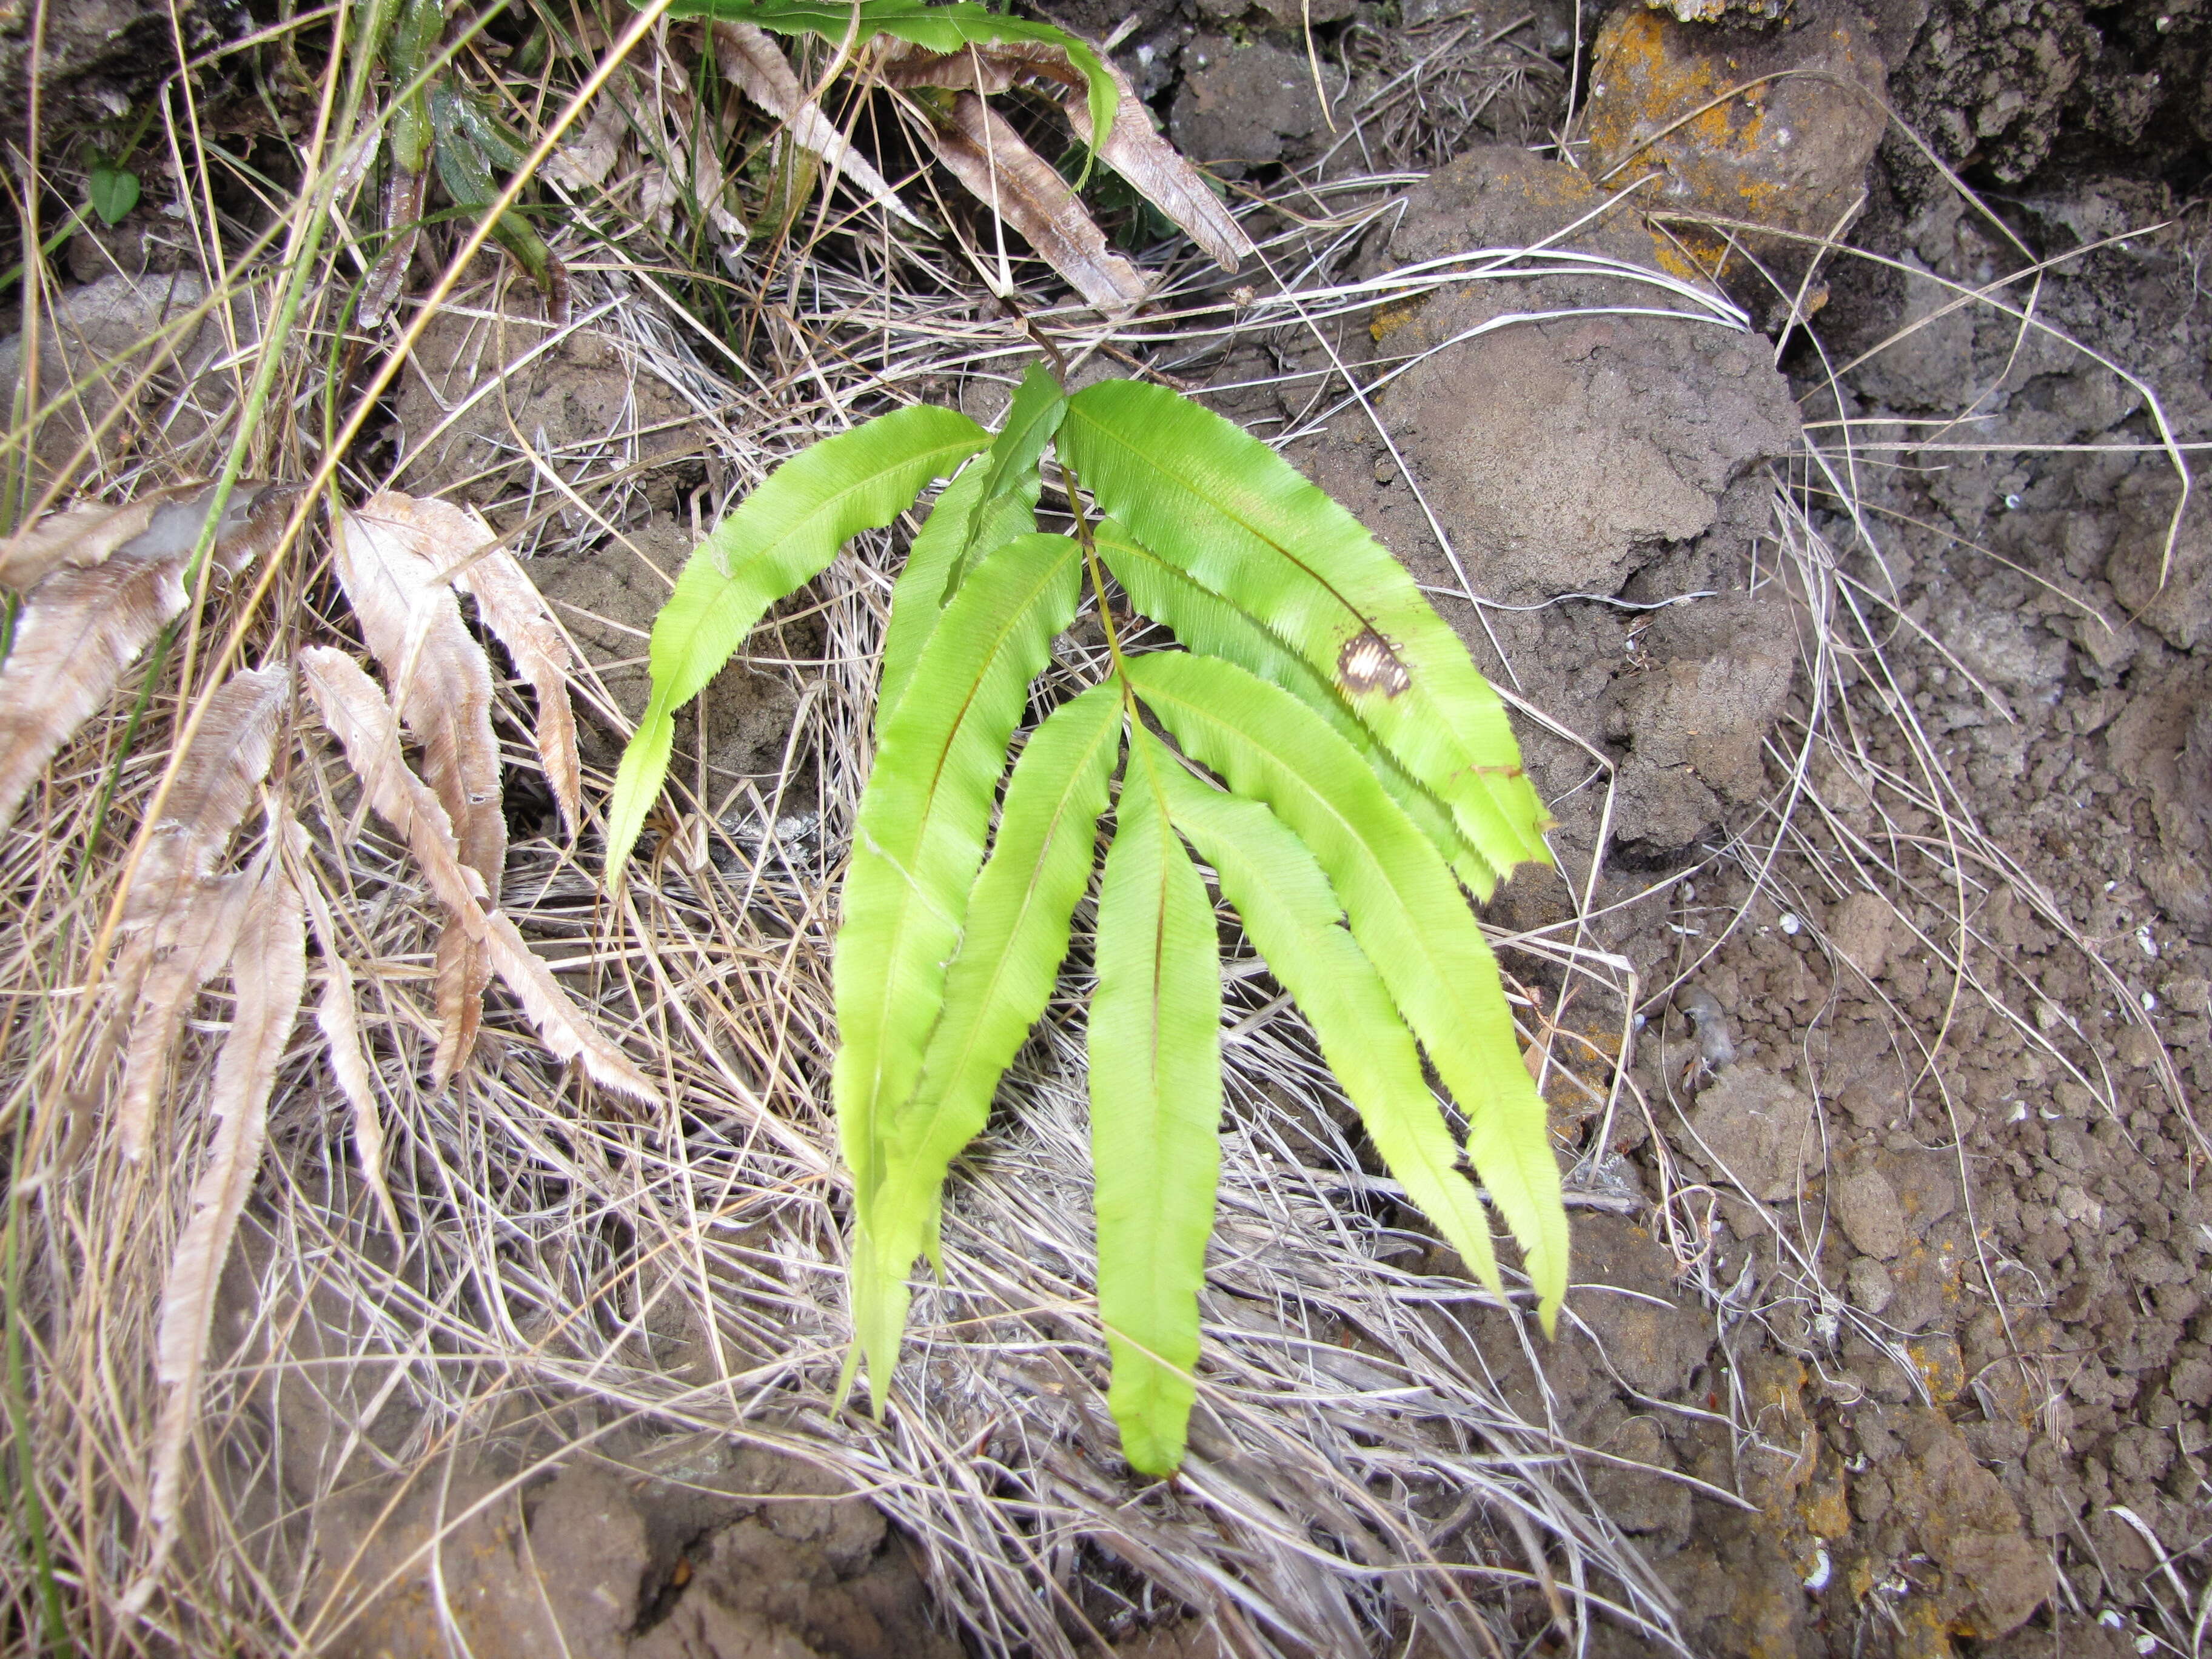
[[1368, 663]]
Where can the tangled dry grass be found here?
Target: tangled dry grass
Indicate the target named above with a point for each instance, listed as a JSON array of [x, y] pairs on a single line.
[[565, 1271]]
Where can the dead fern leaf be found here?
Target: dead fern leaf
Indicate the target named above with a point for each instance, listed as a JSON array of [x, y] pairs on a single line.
[[82, 534], [1159, 172], [510, 605], [990, 158], [1133, 148], [180, 918], [337, 1018], [755, 65], [269, 971], [389, 561], [357, 714], [90, 617]]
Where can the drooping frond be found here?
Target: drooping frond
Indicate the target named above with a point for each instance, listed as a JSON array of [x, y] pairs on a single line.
[[1290, 913], [1240, 519], [922, 824], [355, 711], [270, 972], [782, 535], [1014, 937], [1405, 910], [1155, 1054]]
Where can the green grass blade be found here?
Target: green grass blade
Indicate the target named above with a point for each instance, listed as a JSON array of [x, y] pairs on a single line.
[[934, 27], [1407, 913], [1013, 940], [1290, 913], [1242, 521], [783, 534], [1155, 1053], [920, 837], [1218, 627]]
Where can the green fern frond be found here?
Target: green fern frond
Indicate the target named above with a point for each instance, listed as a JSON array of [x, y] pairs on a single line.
[[1370, 773], [1215, 626], [919, 837], [1405, 910], [1155, 1053], [1290, 913], [782, 535], [1240, 519], [1014, 939]]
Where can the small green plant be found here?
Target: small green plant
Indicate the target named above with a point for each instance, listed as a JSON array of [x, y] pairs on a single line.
[[1321, 739]]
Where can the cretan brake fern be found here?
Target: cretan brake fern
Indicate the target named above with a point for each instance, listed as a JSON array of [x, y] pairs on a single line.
[[1321, 742]]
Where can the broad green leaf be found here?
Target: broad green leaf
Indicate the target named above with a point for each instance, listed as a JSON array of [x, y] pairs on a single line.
[[1219, 627], [1206, 495], [782, 534], [923, 820], [110, 192], [1290, 913], [1405, 911], [1014, 939], [948, 27], [1155, 1061]]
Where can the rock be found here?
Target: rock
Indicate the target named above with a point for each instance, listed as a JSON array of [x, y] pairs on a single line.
[[2172, 593], [1859, 930], [1759, 1129], [1641, 1500], [1870, 1288], [1248, 104], [1790, 152], [1986, 83], [607, 599], [619, 1565], [1646, 1335], [1865, 1206], [1992, 1574], [102, 338], [1715, 676], [476, 386], [1607, 456], [99, 57]]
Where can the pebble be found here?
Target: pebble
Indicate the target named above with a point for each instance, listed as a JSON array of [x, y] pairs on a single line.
[[1866, 1207]]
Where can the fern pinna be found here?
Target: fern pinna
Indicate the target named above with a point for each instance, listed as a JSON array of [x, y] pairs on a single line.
[[1322, 743]]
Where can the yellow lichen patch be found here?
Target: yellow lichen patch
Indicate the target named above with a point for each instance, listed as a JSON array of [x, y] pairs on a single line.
[[1942, 1369], [1767, 131], [1389, 319]]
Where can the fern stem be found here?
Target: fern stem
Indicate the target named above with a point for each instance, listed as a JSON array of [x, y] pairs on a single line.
[[1098, 574]]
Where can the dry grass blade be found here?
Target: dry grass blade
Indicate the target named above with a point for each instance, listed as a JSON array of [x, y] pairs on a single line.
[[359, 717], [269, 971], [1159, 174], [509, 603], [392, 559], [93, 614], [757, 66], [990, 160]]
